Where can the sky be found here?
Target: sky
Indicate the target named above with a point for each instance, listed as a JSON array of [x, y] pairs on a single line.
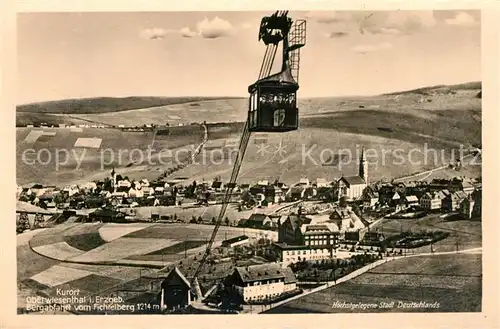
[[76, 55]]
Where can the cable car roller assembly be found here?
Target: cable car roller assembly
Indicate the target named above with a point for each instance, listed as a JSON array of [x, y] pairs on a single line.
[[273, 101]]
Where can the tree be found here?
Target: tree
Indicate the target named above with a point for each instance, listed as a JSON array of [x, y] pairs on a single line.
[[226, 221], [200, 220], [213, 221]]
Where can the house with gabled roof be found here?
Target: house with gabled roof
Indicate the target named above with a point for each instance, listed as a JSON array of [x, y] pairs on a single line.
[[321, 182], [175, 291], [433, 201], [257, 220], [452, 201], [262, 282], [289, 230], [370, 199], [351, 187]]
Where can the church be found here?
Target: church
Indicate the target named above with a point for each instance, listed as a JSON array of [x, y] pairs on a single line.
[[352, 187]]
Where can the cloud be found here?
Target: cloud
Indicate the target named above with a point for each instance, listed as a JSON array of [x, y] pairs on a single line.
[[187, 33], [368, 48], [385, 30], [461, 19], [216, 28], [209, 29], [397, 22], [377, 22], [154, 33], [246, 26], [338, 34]]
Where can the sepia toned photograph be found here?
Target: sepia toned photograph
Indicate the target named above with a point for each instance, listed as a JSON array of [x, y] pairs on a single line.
[[249, 162]]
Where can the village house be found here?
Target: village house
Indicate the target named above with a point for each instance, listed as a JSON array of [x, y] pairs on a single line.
[[148, 191], [467, 207], [321, 182], [433, 201], [107, 216], [124, 183], [136, 192], [470, 207], [261, 282], [304, 182], [89, 186], [257, 221], [289, 230], [452, 201], [296, 193], [270, 193], [370, 199], [236, 241], [411, 200], [347, 222], [216, 186], [351, 187], [71, 190], [467, 186], [396, 200], [175, 291]]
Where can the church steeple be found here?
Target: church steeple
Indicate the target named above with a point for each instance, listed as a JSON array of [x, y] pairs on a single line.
[[363, 167], [113, 179]]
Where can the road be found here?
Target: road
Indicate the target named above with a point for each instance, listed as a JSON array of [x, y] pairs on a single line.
[[429, 172]]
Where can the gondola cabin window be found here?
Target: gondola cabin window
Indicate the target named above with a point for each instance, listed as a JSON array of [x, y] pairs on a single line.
[[274, 110]]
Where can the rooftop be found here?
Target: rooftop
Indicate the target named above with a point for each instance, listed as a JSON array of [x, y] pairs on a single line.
[[353, 180], [262, 272]]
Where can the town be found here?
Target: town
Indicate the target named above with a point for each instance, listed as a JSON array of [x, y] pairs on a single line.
[[309, 223]]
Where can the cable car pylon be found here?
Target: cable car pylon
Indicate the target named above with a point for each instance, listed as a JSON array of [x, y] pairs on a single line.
[[273, 106]]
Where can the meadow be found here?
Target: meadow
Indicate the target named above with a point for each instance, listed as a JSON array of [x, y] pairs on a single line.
[[452, 282], [464, 234], [55, 161]]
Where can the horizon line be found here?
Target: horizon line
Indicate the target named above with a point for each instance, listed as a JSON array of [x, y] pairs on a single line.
[[246, 96]]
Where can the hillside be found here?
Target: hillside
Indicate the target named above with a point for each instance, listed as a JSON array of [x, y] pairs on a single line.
[[105, 104], [125, 151], [392, 126], [441, 88]]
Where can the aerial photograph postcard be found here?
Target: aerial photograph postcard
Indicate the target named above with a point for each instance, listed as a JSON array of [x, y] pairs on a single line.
[[249, 162]]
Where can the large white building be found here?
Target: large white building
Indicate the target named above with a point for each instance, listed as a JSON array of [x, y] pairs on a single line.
[[260, 282]]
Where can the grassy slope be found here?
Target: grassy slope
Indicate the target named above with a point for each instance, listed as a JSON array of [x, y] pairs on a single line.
[[459, 290], [384, 123], [345, 132], [112, 142]]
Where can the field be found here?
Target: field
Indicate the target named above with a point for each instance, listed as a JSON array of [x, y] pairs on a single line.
[[60, 163], [464, 234], [403, 135], [186, 213], [452, 281], [119, 262], [105, 104], [111, 231]]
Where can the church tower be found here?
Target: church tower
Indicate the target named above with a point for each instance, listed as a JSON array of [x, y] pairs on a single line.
[[363, 167], [113, 179]]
